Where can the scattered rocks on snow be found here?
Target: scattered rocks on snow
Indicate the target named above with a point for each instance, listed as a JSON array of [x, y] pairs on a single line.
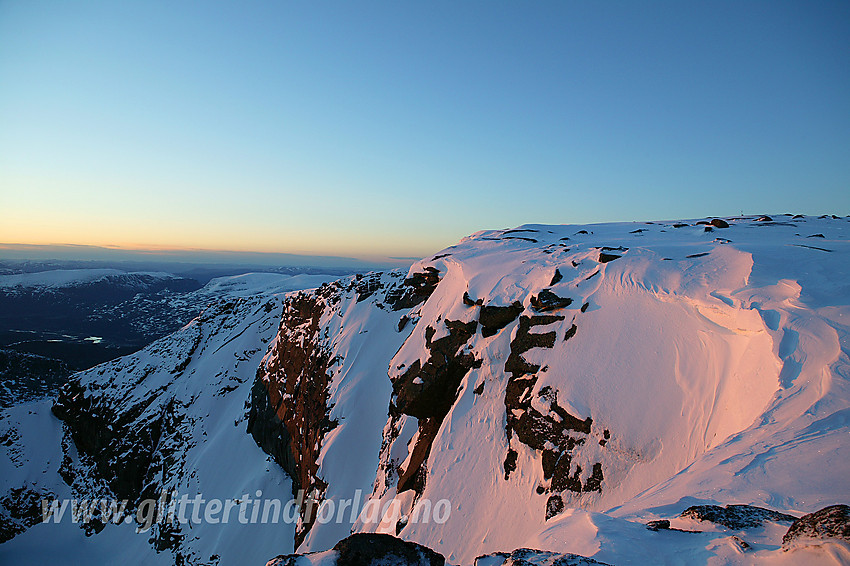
[[718, 223]]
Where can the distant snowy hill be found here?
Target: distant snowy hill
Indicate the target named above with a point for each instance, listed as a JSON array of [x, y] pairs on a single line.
[[562, 386], [60, 278]]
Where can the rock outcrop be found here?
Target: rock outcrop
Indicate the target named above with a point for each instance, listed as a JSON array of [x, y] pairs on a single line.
[[736, 516], [367, 549], [531, 557], [830, 524]]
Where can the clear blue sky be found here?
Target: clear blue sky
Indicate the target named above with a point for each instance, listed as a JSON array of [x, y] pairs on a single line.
[[395, 128]]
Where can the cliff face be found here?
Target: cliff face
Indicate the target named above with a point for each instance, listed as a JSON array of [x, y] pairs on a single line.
[[291, 400]]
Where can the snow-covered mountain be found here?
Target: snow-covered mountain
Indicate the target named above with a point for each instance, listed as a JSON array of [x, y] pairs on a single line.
[[560, 386]]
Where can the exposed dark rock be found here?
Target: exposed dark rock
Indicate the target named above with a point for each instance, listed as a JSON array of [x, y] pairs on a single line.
[[708, 229], [592, 275], [718, 223], [479, 389], [26, 376], [571, 332], [373, 549], [555, 433], [510, 462], [122, 454], [556, 277], [493, 318], [366, 285], [816, 236], [697, 255], [679, 225], [594, 482], [525, 340], [531, 557], [736, 516], [584, 307], [428, 391], [664, 525], [638, 231], [517, 231], [20, 508], [581, 232], [289, 414], [415, 289], [830, 524], [469, 302], [764, 219], [605, 258], [796, 216], [546, 300], [554, 505]]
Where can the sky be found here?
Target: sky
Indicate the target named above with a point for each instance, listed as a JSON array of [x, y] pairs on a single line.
[[373, 129]]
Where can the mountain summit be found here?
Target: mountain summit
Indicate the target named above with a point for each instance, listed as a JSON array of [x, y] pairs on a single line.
[[558, 386]]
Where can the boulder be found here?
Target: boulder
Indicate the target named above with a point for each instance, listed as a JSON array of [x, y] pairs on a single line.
[[373, 549], [546, 300]]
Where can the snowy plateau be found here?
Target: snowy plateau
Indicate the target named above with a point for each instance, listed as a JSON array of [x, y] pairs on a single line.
[[625, 393]]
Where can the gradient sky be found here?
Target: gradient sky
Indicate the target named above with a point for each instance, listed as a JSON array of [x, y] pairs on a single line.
[[396, 128]]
